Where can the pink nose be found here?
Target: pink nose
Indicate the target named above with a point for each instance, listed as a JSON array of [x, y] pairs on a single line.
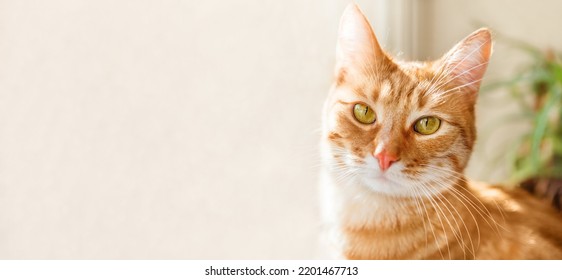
[[386, 159]]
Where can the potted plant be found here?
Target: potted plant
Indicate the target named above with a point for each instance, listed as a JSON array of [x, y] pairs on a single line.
[[536, 158]]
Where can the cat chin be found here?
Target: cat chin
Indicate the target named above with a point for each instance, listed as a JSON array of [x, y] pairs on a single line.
[[397, 187], [384, 185]]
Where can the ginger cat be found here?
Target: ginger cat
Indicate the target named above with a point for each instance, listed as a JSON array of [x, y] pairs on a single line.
[[396, 138]]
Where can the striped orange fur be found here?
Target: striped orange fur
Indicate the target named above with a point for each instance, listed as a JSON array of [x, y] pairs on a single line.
[[391, 192]]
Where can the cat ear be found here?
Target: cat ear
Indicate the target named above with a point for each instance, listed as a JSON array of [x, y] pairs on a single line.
[[357, 48], [465, 64]]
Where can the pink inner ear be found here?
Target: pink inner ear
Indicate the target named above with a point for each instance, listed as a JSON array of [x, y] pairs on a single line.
[[465, 64]]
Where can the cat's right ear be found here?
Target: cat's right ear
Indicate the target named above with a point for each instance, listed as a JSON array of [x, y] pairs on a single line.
[[357, 49]]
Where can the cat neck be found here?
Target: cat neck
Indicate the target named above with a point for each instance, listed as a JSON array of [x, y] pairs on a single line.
[[359, 206], [375, 223]]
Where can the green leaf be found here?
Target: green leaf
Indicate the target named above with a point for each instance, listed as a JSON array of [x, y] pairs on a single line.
[[541, 123]]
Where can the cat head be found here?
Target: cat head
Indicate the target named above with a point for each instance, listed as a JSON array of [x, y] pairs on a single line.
[[401, 128]]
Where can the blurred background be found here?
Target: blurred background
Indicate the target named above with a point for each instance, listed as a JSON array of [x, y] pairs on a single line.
[[189, 129]]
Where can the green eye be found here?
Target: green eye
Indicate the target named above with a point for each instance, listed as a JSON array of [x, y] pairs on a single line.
[[427, 125], [364, 114]]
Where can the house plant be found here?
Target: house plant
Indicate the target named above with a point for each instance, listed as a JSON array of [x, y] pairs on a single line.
[[536, 157]]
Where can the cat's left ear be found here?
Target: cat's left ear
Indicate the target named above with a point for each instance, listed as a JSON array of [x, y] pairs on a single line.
[[465, 64]]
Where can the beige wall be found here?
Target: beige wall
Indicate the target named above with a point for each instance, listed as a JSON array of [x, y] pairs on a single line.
[[181, 129], [162, 129]]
